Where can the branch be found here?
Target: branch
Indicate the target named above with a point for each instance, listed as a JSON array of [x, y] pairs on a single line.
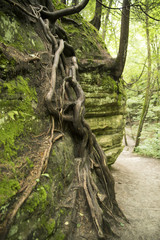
[[130, 84], [147, 13], [53, 16], [130, 5], [112, 8]]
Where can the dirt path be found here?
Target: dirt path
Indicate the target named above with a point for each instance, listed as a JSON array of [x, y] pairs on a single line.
[[138, 194]]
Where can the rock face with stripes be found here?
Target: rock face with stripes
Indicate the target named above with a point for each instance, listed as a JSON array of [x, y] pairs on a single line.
[[105, 95], [54, 182]]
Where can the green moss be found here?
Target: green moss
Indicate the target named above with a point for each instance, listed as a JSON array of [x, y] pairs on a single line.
[[6, 65], [18, 34], [17, 118], [36, 199], [59, 236], [82, 50], [58, 5], [50, 226], [29, 163], [16, 114], [8, 188]]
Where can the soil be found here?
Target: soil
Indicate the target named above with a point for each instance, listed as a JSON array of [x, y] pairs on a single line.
[[138, 194]]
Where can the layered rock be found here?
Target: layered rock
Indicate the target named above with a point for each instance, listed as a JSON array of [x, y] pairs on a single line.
[[105, 96], [24, 124], [105, 112]]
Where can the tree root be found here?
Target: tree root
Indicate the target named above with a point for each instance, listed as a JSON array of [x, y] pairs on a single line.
[[101, 202], [65, 103]]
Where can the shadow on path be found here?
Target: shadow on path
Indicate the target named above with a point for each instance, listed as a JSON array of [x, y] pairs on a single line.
[[138, 194]]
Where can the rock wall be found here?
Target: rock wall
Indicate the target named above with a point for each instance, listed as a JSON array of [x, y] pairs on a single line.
[[24, 122], [105, 112], [41, 215], [105, 96]]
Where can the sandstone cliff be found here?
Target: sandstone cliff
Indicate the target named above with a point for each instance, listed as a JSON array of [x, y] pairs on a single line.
[[24, 123]]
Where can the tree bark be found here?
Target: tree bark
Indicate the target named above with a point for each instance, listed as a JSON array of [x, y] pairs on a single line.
[[106, 20], [96, 21], [148, 89], [123, 45], [158, 72]]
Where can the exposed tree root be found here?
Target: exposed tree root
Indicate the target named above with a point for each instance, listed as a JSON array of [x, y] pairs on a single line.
[[65, 102], [101, 202]]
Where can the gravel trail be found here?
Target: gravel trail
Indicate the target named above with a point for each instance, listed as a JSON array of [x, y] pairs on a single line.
[[138, 194]]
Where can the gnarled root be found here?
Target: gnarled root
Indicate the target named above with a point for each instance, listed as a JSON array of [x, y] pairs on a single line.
[[92, 160]]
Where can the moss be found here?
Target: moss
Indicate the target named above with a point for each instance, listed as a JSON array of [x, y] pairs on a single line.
[[19, 35], [59, 236], [36, 199], [6, 65], [58, 5], [101, 82], [8, 188], [85, 38], [17, 119], [16, 114], [82, 50], [29, 163], [50, 226]]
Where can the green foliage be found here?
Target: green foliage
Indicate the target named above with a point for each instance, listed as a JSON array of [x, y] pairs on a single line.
[[88, 11], [58, 5], [150, 147], [150, 141]]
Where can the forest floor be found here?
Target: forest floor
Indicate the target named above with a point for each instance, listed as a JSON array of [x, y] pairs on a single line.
[[138, 194]]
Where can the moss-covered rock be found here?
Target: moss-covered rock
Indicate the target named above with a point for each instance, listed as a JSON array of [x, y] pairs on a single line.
[[44, 215], [18, 102], [18, 34], [24, 122], [105, 97]]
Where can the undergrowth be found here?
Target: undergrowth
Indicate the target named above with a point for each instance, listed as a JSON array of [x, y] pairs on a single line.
[[150, 140]]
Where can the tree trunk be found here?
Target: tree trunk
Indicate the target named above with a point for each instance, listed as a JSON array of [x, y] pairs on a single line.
[[106, 20], [148, 89], [158, 74], [124, 35], [96, 21]]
